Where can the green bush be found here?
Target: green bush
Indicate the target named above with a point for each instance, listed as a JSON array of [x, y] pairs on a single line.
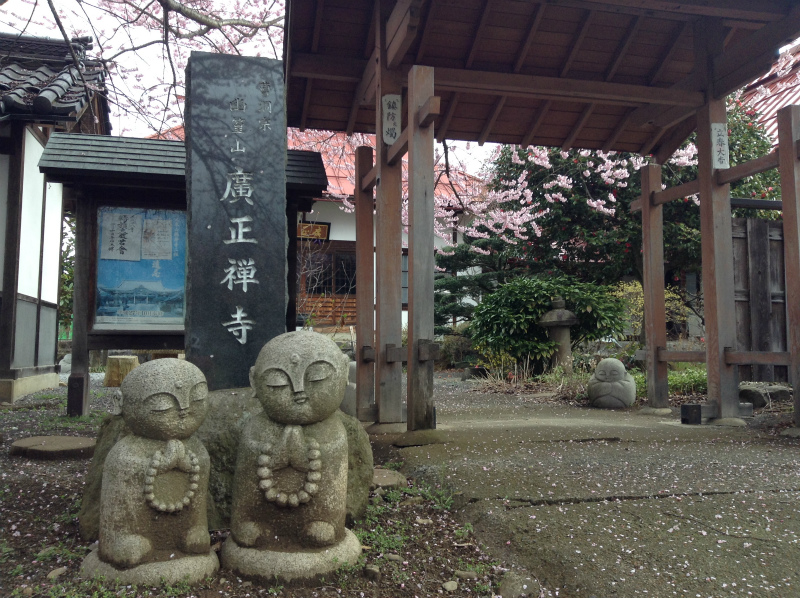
[[506, 322], [689, 380]]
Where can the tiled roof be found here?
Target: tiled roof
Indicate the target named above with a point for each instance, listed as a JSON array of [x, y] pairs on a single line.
[[778, 88], [39, 80], [99, 158]]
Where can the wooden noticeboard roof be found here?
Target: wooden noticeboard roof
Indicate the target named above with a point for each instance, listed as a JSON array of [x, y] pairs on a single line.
[[599, 74], [104, 160]]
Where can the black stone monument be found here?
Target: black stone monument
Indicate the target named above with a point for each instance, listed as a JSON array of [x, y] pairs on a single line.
[[236, 290]]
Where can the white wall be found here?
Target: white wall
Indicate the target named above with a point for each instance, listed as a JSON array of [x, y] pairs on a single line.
[[31, 236], [343, 225], [52, 243]]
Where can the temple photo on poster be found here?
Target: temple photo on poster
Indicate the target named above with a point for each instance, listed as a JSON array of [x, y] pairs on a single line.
[[141, 269]]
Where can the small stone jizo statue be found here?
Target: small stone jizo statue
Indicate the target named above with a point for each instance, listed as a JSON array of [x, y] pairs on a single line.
[[153, 521], [290, 485], [611, 387]]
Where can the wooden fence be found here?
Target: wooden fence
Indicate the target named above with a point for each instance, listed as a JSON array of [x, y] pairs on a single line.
[[760, 291]]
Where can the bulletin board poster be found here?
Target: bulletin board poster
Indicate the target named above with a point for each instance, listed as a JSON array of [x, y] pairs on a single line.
[[141, 269]]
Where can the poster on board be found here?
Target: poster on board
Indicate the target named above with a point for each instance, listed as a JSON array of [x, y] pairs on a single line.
[[141, 269]]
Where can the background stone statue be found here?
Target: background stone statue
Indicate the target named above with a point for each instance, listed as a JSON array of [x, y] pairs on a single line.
[[290, 485], [153, 521], [611, 387]]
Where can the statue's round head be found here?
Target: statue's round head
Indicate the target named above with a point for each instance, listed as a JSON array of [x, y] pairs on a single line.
[[610, 370], [165, 399], [300, 377]]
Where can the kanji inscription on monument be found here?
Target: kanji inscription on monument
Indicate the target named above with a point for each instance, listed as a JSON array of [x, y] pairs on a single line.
[[236, 185]]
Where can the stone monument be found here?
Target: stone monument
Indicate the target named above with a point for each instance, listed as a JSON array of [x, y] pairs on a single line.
[[236, 289], [290, 485], [611, 387], [153, 522]]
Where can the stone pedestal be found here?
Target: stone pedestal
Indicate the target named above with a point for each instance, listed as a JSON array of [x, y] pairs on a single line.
[[193, 568], [290, 566]]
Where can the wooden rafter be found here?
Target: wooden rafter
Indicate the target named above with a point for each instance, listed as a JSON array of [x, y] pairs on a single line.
[[314, 48], [451, 108], [521, 56], [618, 131], [576, 43], [426, 30], [622, 49], [680, 31], [747, 10]]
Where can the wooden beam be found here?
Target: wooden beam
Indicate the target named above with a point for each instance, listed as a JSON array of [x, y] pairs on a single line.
[[328, 68], [365, 290], [421, 264], [521, 57], [528, 139], [762, 10], [430, 110], [749, 168], [717, 253], [756, 204], [680, 30], [655, 324], [473, 51], [669, 194], [487, 126], [671, 142], [533, 28], [306, 103], [398, 149], [788, 135], [752, 56], [758, 357], [426, 30], [369, 180], [618, 131], [576, 43], [401, 30], [576, 129], [364, 93], [681, 356], [388, 190], [448, 116], [534, 86], [623, 48], [444, 126], [648, 145], [314, 47]]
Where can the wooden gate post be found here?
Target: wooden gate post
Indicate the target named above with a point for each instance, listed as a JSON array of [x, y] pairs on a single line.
[[365, 291], [655, 324], [389, 250], [717, 251], [421, 415], [788, 134]]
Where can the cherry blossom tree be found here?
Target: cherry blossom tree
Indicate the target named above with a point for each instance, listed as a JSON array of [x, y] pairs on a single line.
[[145, 44]]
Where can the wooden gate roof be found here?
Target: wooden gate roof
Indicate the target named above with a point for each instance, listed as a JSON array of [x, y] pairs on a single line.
[[600, 74]]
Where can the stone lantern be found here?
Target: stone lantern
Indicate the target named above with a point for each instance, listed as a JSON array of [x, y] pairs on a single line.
[[557, 321]]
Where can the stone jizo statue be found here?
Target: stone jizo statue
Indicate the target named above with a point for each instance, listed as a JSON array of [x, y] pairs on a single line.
[[153, 521], [290, 485], [611, 387]]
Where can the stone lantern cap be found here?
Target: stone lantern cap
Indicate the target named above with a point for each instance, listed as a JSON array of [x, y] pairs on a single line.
[[558, 316]]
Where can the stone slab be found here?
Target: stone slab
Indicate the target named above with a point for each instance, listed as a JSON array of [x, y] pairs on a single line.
[[54, 447], [290, 566], [236, 292], [191, 569], [388, 478]]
